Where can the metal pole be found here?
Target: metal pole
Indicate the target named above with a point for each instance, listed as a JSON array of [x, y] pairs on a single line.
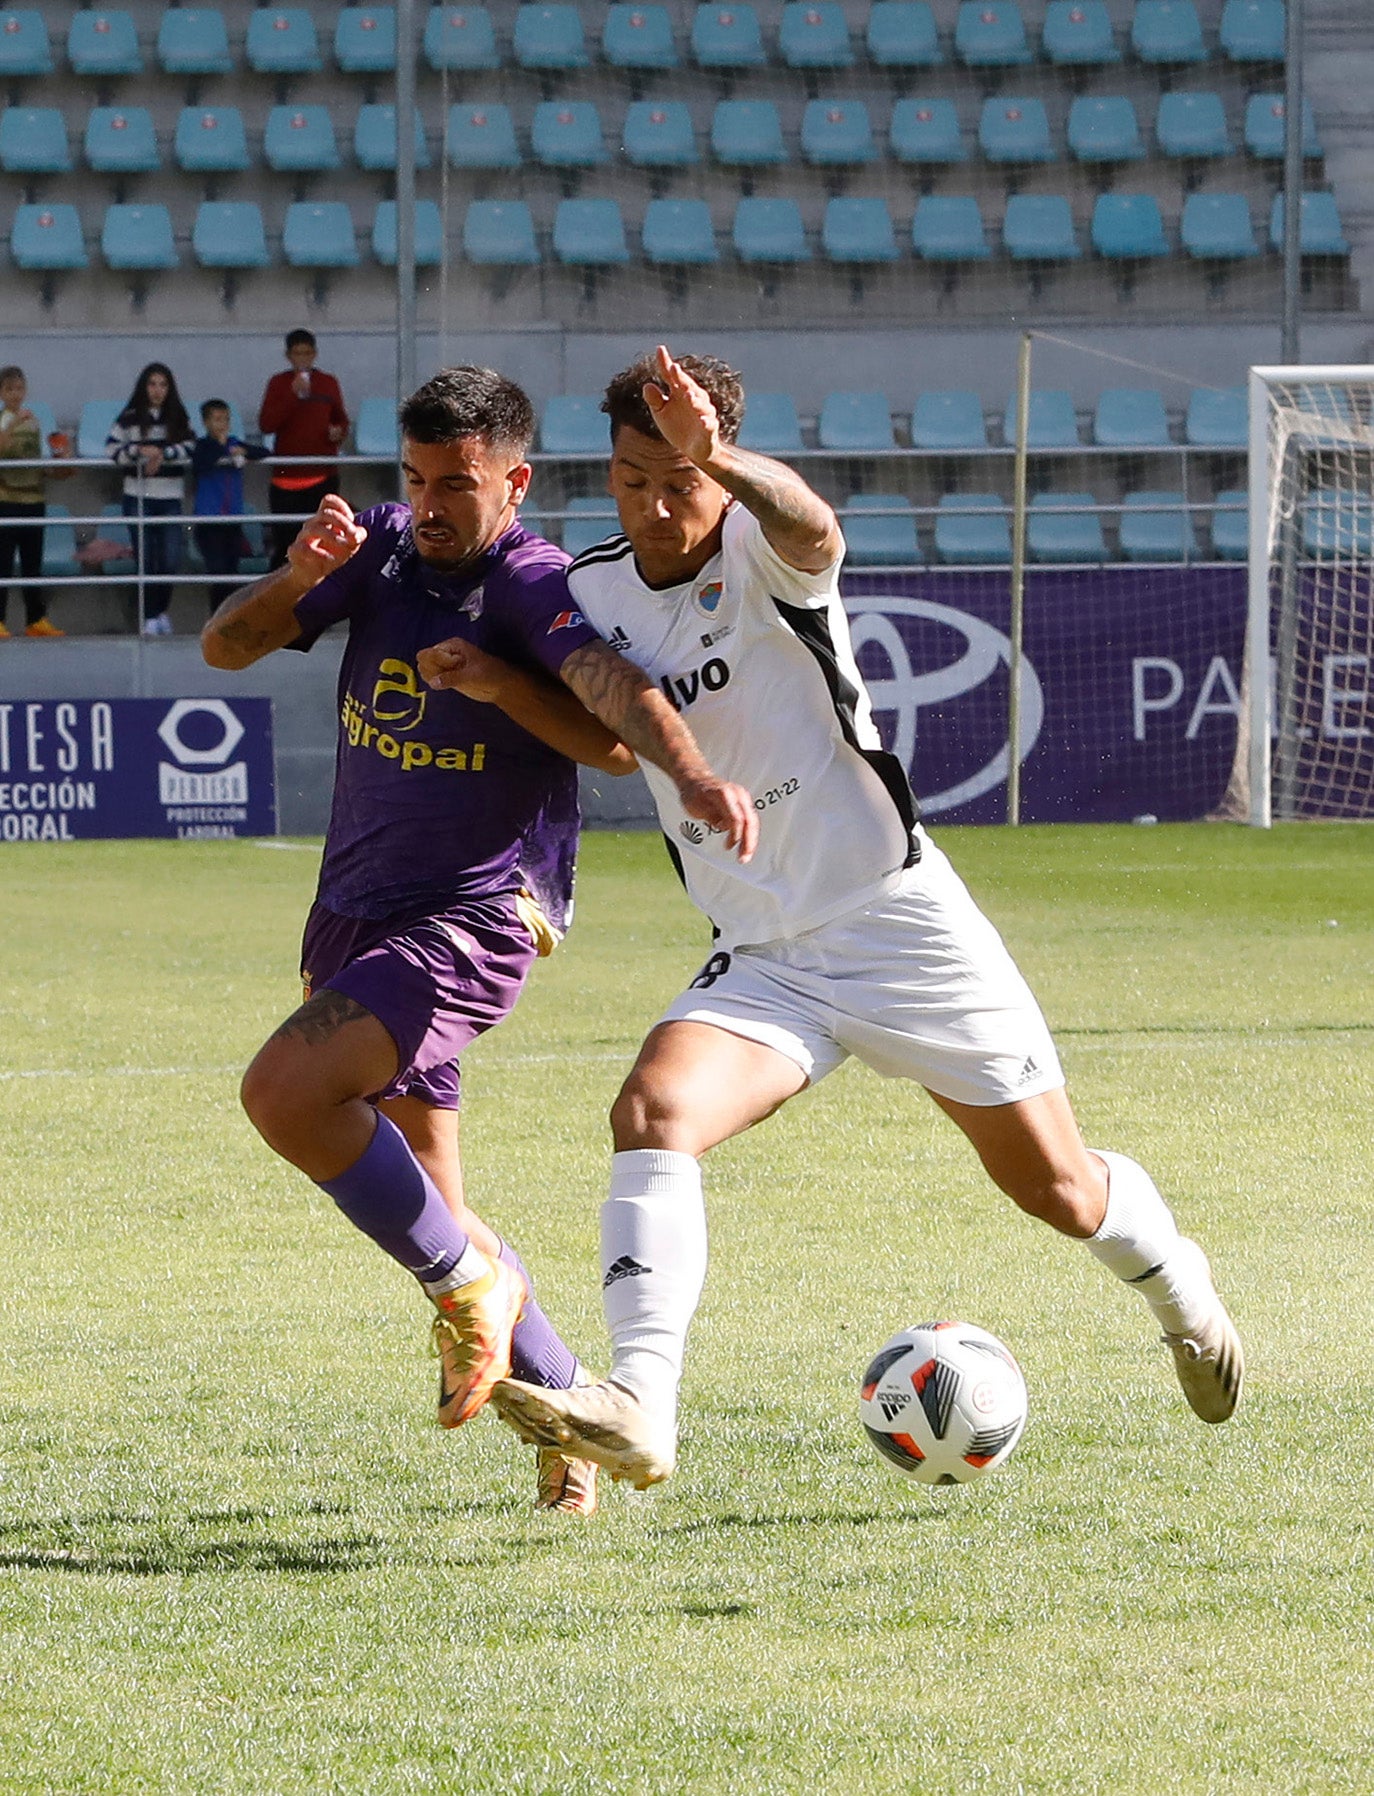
[[1292, 186], [1018, 580], [405, 198]]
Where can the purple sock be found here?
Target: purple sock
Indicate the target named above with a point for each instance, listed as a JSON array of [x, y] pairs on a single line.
[[537, 1355], [389, 1195]]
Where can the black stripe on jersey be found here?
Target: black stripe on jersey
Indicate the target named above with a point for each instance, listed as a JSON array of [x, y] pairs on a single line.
[[812, 630], [614, 548], [676, 858]]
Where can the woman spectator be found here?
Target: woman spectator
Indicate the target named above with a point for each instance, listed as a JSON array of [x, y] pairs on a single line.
[[151, 440], [22, 501]]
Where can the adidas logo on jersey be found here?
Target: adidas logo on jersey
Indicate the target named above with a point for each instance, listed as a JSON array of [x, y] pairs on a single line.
[[624, 1267], [618, 640]]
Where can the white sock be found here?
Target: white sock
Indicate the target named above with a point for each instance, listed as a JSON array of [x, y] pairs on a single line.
[[472, 1264], [653, 1265], [1139, 1241]]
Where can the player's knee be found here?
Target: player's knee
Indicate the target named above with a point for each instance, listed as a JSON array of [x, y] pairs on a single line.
[[276, 1099], [1067, 1202], [645, 1115]]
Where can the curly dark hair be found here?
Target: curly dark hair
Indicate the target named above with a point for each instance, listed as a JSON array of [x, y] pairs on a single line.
[[470, 402], [624, 402]]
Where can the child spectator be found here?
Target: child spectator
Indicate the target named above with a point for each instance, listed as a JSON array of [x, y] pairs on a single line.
[[22, 503], [151, 440], [217, 463], [303, 410]]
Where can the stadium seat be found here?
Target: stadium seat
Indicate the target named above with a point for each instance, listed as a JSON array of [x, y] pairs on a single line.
[[591, 522], [429, 234], [814, 34], [1051, 422], [138, 237], [972, 529], [210, 140], [33, 141], [1038, 227], [1015, 130], [376, 429], [549, 38], [282, 41], [639, 37], [679, 233], [1103, 128], [949, 228], [460, 38], [59, 535], [365, 40], [47, 237], [1230, 521], [858, 231], [567, 134], [590, 233], [948, 420], [93, 426], [229, 234], [1167, 32], [500, 233], [193, 40], [902, 35], [727, 37], [1155, 527], [1265, 128], [482, 137], [1130, 418], [880, 531], [990, 34], [659, 134], [770, 423], [837, 134], [319, 234], [1218, 419], [747, 134], [374, 138], [769, 231], [1337, 524], [1319, 225], [103, 43], [24, 45], [855, 422], [926, 133], [1127, 227], [1192, 126], [300, 140], [120, 140], [1064, 527], [574, 424], [1217, 227], [1253, 30], [1078, 34]]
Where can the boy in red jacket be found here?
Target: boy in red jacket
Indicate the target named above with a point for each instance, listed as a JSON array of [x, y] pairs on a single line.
[[303, 409]]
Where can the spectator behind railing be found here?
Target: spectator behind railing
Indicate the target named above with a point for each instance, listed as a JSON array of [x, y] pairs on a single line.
[[151, 440], [217, 463], [22, 501], [303, 410]]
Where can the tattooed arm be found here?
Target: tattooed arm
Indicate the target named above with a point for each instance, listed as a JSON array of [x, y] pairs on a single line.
[[260, 617]]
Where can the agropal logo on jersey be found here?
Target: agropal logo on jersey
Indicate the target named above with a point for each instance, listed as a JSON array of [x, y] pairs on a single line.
[[917, 655], [397, 708]]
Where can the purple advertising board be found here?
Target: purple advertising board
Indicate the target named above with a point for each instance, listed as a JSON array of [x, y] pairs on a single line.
[[189, 767]]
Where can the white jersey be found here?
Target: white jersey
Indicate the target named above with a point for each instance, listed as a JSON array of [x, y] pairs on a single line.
[[756, 656]]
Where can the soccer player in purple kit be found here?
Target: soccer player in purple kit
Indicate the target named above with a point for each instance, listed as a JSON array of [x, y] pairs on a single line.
[[448, 862]]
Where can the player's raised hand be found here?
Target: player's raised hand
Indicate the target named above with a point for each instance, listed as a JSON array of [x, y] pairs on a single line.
[[683, 410], [327, 540], [464, 668], [726, 807]]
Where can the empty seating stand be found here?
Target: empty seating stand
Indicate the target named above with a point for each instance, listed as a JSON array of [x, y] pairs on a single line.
[[24, 45], [1218, 419], [902, 34], [193, 40], [376, 430], [282, 41], [500, 234], [1078, 34], [573, 424], [460, 38], [990, 34], [1167, 33], [319, 234], [880, 531], [1130, 418], [482, 136], [814, 34], [229, 234], [837, 134], [429, 234], [926, 133], [659, 134], [747, 134], [727, 38], [770, 423], [1038, 229], [1051, 421], [679, 234], [1102, 128], [1064, 527], [374, 138], [549, 38], [101, 44], [121, 140], [211, 140], [300, 140], [639, 38], [365, 40], [972, 529], [1253, 31], [948, 420], [855, 422], [47, 237], [138, 237], [770, 231], [33, 141], [1155, 527]]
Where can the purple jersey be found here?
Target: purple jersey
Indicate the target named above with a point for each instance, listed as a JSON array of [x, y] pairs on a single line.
[[438, 797]]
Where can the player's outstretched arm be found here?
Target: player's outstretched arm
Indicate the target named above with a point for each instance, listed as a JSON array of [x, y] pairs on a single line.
[[543, 706], [797, 522], [260, 617], [628, 702]]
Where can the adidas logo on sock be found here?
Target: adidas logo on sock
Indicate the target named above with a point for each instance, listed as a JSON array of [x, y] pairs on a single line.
[[624, 1267]]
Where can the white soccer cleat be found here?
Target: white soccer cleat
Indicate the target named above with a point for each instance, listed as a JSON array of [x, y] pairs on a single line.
[[1209, 1359], [600, 1422]]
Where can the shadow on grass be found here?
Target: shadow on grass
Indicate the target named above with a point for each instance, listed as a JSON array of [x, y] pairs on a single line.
[[835, 1518], [348, 1553]]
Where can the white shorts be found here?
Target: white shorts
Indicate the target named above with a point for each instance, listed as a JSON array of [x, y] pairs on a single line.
[[918, 985]]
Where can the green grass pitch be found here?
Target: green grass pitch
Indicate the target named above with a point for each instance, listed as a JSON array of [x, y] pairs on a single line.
[[237, 1556]]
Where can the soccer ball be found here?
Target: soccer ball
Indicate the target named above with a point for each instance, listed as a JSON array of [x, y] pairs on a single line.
[[944, 1402]]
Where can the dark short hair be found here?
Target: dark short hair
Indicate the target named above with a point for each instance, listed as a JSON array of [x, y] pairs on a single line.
[[624, 403], [213, 405], [11, 372], [470, 402], [300, 337]]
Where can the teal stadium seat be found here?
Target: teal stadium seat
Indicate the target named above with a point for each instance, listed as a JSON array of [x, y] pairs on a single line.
[[990, 34], [747, 134], [1015, 130], [639, 37], [1218, 419], [880, 531], [93, 426], [1192, 126], [659, 134], [591, 522], [926, 133], [769, 231], [374, 138], [549, 38], [1064, 527], [429, 234], [1051, 421], [365, 40], [100, 44], [949, 228], [590, 234], [33, 141], [858, 232], [1217, 227], [574, 424], [679, 233], [210, 140], [229, 234], [1253, 31], [500, 234], [727, 37], [460, 39], [138, 237], [1230, 522], [1319, 225], [319, 234], [971, 529], [837, 134], [281, 40], [59, 538], [855, 422], [1154, 527], [770, 424], [24, 45], [1127, 227], [1130, 418], [567, 134], [1038, 227], [814, 34], [120, 140], [47, 237], [902, 34], [1102, 128], [1337, 524], [482, 136], [194, 40], [1167, 32], [1077, 34], [47, 424], [948, 420], [376, 429], [1265, 128], [300, 140]]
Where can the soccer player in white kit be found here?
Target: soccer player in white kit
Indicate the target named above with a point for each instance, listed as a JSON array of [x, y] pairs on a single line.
[[847, 932]]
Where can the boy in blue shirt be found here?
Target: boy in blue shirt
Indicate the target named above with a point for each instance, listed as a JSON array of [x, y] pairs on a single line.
[[217, 463]]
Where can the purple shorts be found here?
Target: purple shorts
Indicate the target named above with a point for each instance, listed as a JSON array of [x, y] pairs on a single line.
[[434, 983]]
